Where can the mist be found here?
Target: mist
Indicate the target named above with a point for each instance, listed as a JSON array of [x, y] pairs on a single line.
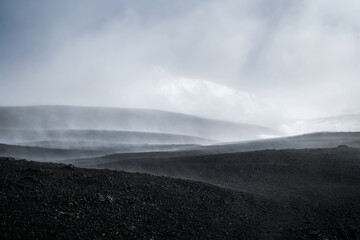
[[272, 63], [179, 119]]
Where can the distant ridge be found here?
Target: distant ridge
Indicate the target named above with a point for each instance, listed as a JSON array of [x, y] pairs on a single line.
[[339, 123], [16, 136], [307, 141], [143, 120]]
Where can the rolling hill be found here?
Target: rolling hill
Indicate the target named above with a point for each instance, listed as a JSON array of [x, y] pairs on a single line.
[[306, 172], [141, 120], [306, 141], [57, 201], [59, 137]]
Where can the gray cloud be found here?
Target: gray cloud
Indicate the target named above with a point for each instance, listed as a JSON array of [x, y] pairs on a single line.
[[271, 60]]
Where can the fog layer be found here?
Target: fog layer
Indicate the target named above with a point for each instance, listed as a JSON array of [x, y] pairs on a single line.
[[258, 61]]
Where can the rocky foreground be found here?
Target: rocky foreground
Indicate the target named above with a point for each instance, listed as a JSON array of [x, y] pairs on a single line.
[[57, 201]]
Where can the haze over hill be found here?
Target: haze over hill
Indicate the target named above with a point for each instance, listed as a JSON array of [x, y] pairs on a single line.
[[94, 153], [96, 118], [244, 61], [307, 141], [61, 133], [259, 98], [93, 137], [340, 123]]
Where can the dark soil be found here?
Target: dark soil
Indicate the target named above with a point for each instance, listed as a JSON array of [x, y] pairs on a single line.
[[57, 201], [54, 201], [328, 173]]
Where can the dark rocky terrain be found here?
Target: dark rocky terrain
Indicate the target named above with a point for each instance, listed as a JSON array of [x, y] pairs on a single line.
[[309, 173], [53, 201], [57, 201]]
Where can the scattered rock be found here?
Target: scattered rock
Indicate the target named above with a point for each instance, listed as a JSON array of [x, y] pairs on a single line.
[[82, 204]]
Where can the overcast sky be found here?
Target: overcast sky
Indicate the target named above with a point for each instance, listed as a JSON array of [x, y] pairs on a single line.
[[258, 61]]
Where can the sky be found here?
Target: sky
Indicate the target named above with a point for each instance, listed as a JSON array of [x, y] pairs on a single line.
[[254, 61]]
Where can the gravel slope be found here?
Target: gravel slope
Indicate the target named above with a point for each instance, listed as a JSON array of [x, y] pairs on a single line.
[[56, 201]]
